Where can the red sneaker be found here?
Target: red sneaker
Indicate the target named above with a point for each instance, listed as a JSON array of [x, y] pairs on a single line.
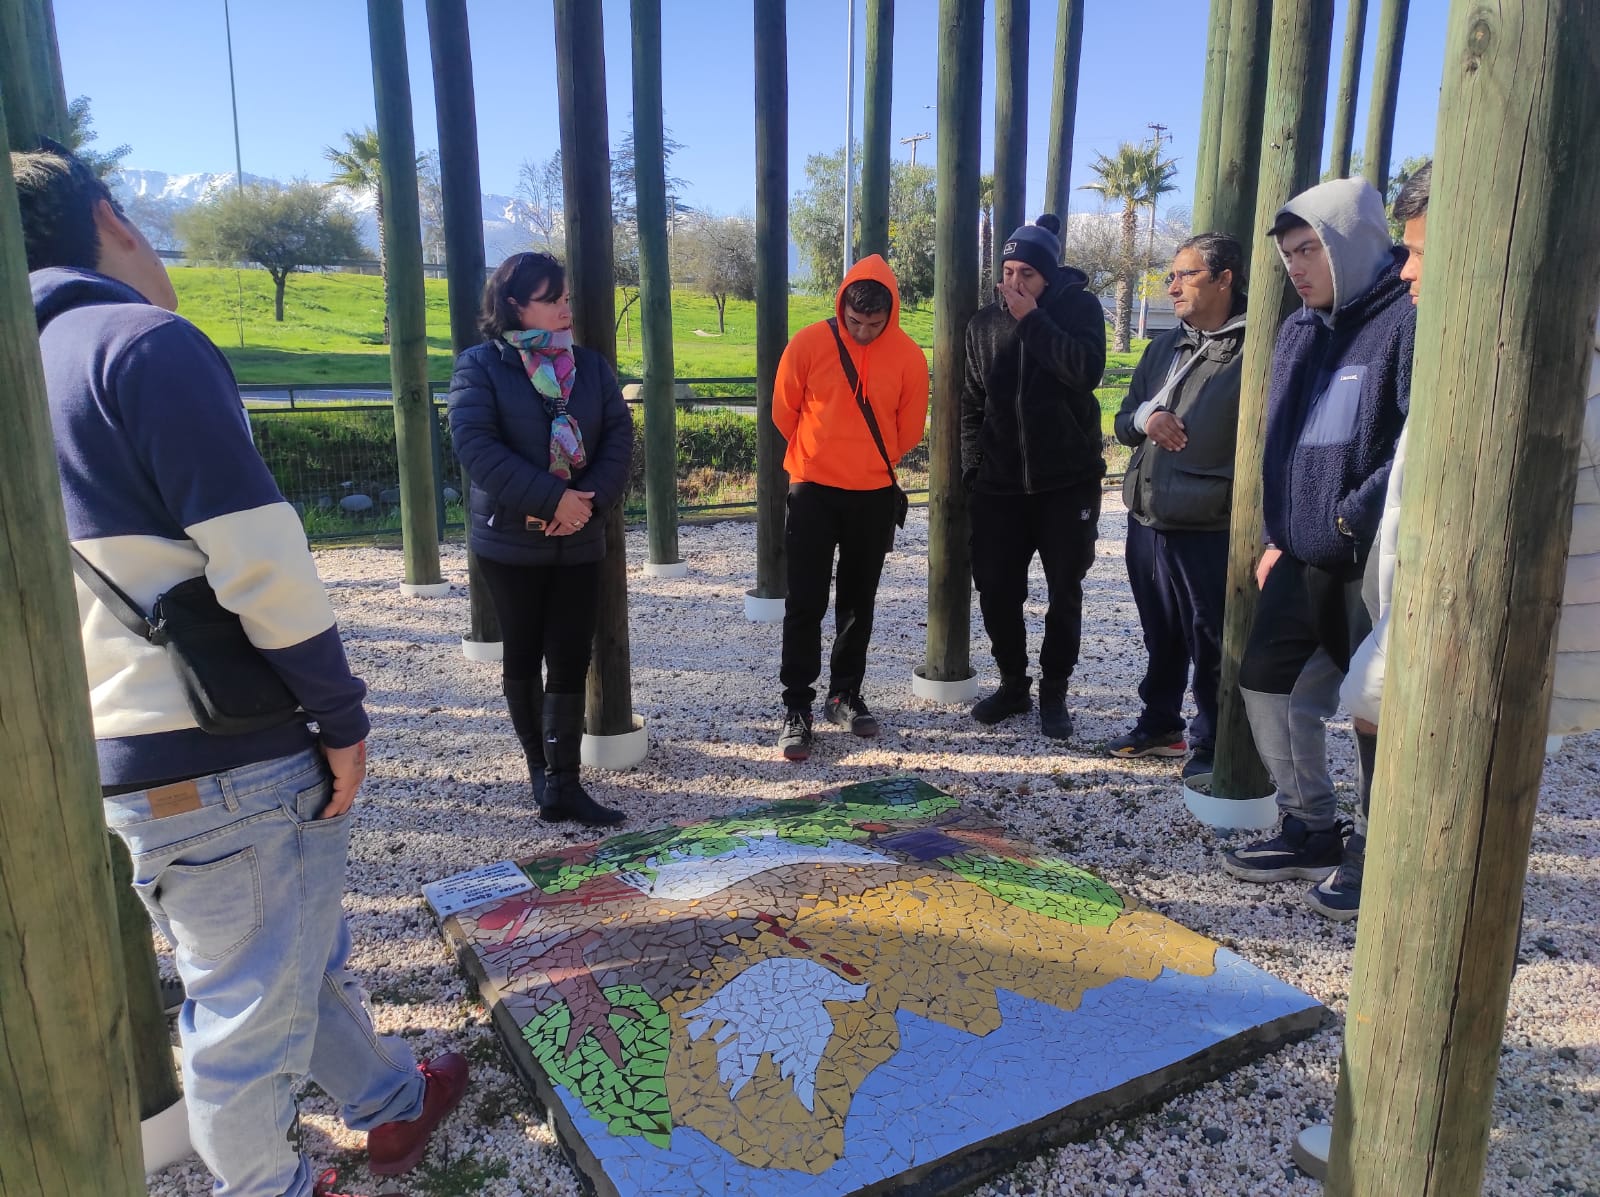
[[324, 1187], [397, 1147]]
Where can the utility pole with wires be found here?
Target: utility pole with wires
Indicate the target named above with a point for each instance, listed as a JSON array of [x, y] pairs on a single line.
[[849, 134], [1144, 290], [912, 142]]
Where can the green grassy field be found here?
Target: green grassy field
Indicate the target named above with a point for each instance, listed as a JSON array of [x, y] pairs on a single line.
[[333, 329]]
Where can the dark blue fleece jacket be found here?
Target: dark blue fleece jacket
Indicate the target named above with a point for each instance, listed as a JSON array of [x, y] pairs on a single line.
[[1340, 393]]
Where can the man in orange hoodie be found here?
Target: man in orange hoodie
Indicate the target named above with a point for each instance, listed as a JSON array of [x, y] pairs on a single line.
[[842, 492]]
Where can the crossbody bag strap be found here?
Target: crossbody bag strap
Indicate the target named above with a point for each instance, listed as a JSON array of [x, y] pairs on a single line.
[[854, 380], [128, 613]]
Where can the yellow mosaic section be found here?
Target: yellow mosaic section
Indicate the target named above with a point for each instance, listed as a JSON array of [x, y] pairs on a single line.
[[936, 946]]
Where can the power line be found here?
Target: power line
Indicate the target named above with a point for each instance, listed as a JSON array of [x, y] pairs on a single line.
[[912, 142]]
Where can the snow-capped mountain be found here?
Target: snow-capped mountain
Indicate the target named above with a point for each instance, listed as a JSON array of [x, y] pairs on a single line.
[[153, 198]]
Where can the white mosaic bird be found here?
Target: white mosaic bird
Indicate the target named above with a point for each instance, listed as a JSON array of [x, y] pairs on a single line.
[[774, 1007]]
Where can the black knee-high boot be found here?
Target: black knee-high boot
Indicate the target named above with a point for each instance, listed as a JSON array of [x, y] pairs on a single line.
[[565, 797], [525, 701]]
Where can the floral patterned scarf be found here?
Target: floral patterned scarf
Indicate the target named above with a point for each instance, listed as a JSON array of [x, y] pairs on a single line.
[[547, 357]]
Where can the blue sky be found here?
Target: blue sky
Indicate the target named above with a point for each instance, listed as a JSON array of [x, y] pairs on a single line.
[[157, 75]]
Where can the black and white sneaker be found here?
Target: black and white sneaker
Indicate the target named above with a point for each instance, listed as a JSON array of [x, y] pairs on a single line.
[[794, 741], [1296, 852], [1338, 896], [850, 710]]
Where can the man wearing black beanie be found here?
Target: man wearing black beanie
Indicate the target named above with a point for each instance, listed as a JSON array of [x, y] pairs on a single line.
[[1032, 460]]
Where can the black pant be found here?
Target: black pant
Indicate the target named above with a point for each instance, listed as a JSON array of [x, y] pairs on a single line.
[[821, 519], [546, 614], [1303, 608], [1180, 586], [1061, 526]]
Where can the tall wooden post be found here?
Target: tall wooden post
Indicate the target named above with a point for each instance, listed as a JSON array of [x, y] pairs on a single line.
[[591, 271], [949, 650], [1344, 115], [415, 424], [1385, 92], [1064, 110], [875, 140], [67, 1104], [49, 89], [1239, 141], [1291, 154], [1010, 121], [655, 288], [455, 107], [772, 287], [1497, 412], [1205, 168]]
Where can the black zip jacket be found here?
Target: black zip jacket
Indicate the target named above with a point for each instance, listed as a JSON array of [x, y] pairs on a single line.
[[1029, 418]]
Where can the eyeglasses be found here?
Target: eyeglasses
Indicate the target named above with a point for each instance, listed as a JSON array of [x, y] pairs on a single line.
[[1183, 276]]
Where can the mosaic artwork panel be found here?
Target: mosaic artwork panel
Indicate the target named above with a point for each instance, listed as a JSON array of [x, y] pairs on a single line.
[[870, 989]]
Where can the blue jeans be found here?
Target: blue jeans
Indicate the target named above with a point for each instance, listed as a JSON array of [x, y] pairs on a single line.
[[247, 884]]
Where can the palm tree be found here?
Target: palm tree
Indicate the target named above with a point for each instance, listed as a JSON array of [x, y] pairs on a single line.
[[356, 167], [985, 239], [1137, 176]]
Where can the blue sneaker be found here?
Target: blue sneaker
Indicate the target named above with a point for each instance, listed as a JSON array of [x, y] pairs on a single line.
[[1295, 852], [1339, 895]]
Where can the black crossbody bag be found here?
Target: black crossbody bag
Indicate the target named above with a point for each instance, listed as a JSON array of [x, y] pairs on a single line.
[[230, 687], [902, 504]]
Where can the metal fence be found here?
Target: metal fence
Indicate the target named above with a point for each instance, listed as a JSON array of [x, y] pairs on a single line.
[[332, 453]]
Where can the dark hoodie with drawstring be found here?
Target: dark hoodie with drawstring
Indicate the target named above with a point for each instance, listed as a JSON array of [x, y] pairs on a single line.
[[1029, 418], [1341, 386]]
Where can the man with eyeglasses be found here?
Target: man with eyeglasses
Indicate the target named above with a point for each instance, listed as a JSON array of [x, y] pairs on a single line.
[[1181, 417], [1341, 382]]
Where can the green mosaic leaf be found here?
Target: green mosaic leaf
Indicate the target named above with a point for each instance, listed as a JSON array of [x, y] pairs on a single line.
[[630, 1100], [1049, 887]]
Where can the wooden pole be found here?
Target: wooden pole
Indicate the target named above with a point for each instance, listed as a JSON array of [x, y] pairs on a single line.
[[1063, 111], [1497, 410], [591, 274], [1291, 153], [68, 1121], [875, 140], [1010, 121], [655, 287], [1385, 92], [949, 650], [455, 108], [49, 89], [416, 425], [1239, 140], [772, 286], [1205, 170], [1344, 116]]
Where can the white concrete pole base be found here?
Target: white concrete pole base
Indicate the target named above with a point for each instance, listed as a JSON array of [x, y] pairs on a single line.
[[1237, 814], [762, 610], [948, 693], [1310, 1150], [165, 1136], [666, 569], [425, 589], [615, 752], [482, 650]]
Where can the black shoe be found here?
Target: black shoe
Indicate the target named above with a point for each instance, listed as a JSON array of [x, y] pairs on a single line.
[[1296, 852], [1338, 896], [1012, 698], [1139, 743], [1200, 762], [850, 710], [524, 700], [564, 797], [1055, 721], [172, 995], [794, 741]]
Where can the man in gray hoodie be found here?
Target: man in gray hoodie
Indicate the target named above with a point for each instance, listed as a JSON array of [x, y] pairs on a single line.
[[1341, 382]]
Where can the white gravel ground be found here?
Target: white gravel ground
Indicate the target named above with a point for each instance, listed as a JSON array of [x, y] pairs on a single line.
[[446, 793]]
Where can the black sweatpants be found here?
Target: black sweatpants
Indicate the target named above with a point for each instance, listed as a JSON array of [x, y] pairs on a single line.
[[1180, 586], [1061, 526], [823, 519], [1303, 608], [547, 615]]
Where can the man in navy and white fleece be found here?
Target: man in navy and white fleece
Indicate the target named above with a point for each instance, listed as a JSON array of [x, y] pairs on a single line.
[[238, 842], [1341, 383]]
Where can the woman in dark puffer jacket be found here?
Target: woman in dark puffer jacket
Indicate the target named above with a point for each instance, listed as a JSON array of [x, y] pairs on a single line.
[[541, 426]]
